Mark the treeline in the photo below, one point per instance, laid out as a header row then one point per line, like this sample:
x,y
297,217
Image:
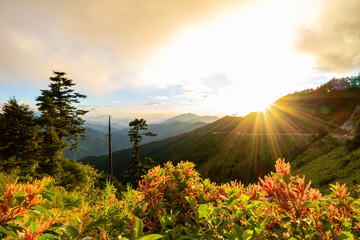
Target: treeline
x,y
32,145
334,85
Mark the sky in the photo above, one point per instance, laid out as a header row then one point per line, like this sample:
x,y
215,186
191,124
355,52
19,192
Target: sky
x,y
155,59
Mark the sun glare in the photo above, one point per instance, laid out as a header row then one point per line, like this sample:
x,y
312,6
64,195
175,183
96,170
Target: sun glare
x,y
251,46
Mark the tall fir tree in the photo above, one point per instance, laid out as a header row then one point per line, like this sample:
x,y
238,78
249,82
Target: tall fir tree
x,y
59,116
20,141
138,166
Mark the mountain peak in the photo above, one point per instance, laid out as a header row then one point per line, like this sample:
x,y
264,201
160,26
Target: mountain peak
x,y
190,117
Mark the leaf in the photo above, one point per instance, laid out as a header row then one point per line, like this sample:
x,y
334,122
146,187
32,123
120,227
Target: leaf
x,y
46,236
234,193
191,201
46,196
245,198
239,231
138,229
7,232
19,218
96,223
50,232
203,210
33,227
347,226
148,178
19,194
151,237
253,213
222,226
265,222
57,225
163,223
17,200
247,234
183,237
346,236
71,230
42,210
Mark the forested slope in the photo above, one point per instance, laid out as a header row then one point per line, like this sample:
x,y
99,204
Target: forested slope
x,y
245,148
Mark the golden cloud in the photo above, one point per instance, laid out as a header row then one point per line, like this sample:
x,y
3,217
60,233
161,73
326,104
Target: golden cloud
x,y
335,40
92,40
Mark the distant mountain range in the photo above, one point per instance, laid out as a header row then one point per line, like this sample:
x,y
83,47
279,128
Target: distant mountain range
x,y
96,141
245,148
191,118
103,127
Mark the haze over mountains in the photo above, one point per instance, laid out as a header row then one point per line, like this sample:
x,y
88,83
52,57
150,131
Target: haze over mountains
x,y
96,141
246,148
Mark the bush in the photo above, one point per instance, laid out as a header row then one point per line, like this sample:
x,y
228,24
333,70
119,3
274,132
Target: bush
x,y
173,202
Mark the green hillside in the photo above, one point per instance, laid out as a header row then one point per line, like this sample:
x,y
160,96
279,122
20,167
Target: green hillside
x,y
246,148
329,161
96,142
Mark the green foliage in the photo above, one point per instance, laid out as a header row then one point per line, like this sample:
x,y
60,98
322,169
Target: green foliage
x,y
32,147
135,134
58,111
74,176
244,148
329,161
316,150
138,167
20,142
175,203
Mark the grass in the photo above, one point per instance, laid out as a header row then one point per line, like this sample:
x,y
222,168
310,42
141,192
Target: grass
x,y
327,162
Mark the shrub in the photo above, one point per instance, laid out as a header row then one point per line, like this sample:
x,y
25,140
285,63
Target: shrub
x,y
173,202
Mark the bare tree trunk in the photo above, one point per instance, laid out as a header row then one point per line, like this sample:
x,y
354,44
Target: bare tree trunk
x,y
110,151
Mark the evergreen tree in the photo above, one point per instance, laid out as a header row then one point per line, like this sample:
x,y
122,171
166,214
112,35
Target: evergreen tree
x,y
20,141
59,116
138,167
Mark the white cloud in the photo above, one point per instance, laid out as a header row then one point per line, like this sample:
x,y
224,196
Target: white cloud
x,y
153,103
161,97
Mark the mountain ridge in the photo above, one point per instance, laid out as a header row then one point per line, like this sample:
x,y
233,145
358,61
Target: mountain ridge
x,y
96,142
222,153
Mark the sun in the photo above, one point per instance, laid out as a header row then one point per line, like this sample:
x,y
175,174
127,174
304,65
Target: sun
x,y
252,47
262,107
260,104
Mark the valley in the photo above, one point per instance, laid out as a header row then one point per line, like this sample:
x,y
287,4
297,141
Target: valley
x,y
246,148
96,141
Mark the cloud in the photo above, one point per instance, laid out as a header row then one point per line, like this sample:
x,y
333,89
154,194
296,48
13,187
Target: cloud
x,y
153,103
217,82
92,40
161,97
115,102
335,40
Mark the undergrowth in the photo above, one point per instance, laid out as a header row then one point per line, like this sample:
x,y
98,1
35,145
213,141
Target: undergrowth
x,y
173,202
